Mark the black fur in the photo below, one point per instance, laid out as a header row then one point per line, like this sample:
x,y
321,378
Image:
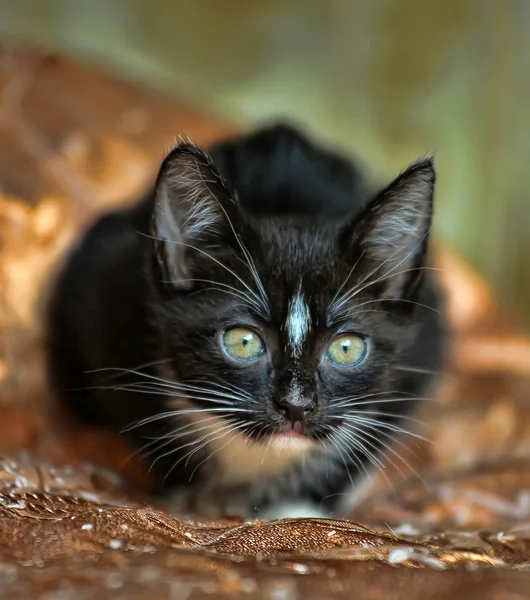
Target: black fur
x,y
137,294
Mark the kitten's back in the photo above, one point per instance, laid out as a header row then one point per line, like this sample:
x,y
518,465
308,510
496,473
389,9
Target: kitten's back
x,y
277,170
97,317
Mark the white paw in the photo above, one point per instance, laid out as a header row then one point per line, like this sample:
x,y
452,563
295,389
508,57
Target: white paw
x,y
293,510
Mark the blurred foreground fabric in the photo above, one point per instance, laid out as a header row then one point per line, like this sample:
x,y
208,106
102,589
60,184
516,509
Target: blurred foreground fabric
x,y
448,518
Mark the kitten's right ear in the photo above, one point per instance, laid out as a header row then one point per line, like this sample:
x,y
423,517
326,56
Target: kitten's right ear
x,y
191,204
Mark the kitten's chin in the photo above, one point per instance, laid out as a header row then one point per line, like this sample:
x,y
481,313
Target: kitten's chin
x,y
290,441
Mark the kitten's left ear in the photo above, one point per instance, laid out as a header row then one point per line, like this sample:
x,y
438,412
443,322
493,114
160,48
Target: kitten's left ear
x,y
191,213
396,229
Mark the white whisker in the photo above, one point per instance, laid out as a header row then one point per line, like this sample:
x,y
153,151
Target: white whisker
x,y
355,436
337,444
375,423
232,388
169,438
365,433
176,395
354,403
367,282
257,298
358,290
250,262
185,411
209,439
188,444
415,370
219,449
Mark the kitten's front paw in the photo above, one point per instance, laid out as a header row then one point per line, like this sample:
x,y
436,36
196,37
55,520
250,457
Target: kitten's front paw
x,y
293,510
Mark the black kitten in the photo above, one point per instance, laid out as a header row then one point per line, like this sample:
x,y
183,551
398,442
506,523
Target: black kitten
x,y
258,326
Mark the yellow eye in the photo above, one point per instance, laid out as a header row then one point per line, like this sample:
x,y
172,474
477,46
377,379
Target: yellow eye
x,y
242,344
347,350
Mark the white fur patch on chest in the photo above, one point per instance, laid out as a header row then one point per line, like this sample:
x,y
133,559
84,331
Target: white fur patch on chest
x,y
298,322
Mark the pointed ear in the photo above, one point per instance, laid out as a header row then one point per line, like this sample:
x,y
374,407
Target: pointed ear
x,y
396,229
190,210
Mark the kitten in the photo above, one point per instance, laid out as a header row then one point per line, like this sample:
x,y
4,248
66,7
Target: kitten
x,y
257,327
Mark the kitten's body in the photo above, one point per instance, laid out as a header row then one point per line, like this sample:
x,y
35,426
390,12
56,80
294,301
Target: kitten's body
x,y
149,309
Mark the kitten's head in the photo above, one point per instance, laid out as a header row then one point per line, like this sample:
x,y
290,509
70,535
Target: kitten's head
x,y
292,325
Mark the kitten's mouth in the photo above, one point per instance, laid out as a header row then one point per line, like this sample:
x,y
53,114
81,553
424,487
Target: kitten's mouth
x,y
291,435
290,440
293,430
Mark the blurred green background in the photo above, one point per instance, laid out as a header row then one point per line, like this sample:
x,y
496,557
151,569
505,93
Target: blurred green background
x,y
384,80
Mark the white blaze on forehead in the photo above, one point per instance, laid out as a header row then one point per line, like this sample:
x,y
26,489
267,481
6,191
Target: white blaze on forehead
x,y
298,322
